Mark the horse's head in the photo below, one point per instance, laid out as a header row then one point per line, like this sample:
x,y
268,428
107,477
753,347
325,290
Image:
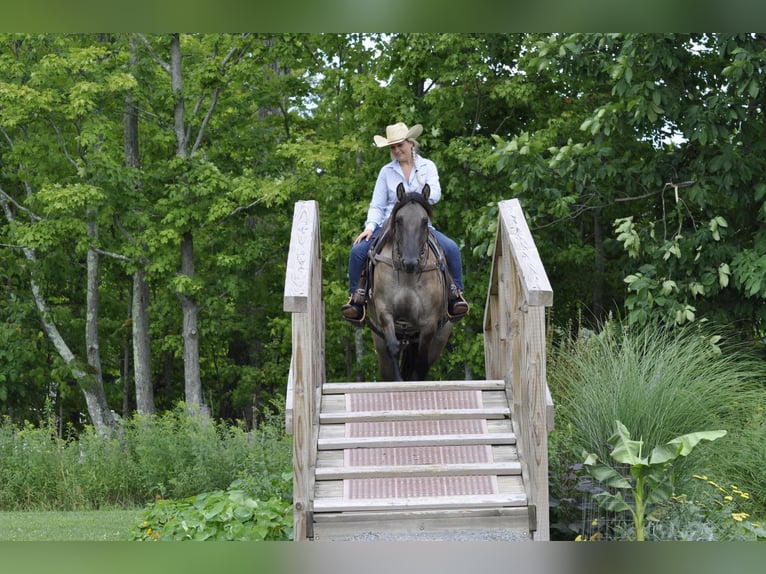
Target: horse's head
x,y
410,218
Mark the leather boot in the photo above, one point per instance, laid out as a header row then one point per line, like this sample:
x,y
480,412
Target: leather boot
x,y
354,310
457,308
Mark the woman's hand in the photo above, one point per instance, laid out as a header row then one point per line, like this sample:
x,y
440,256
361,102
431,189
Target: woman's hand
x,y
364,235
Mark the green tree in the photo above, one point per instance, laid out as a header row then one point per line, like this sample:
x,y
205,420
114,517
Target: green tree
x,y
663,146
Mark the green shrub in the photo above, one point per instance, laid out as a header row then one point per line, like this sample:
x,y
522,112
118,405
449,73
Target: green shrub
x,y
219,515
168,455
178,454
661,383
711,512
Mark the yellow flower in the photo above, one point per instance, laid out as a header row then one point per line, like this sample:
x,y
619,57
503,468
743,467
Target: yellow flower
x,y
579,538
595,522
700,476
728,498
739,516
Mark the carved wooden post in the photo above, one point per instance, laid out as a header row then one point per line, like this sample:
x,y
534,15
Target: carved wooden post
x,y
303,298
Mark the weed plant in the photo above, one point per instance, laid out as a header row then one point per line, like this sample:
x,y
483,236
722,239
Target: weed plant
x,y
660,383
169,455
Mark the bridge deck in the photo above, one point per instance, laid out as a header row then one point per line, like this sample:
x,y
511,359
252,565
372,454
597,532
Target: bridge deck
x,y
417,458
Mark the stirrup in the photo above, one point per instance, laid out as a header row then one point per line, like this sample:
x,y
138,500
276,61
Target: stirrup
x,y
354,311
457,306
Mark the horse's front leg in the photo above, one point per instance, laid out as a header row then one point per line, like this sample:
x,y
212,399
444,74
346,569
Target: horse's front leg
x,y
393,347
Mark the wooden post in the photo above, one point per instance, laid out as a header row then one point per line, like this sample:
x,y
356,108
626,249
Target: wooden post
x,y
514,342
303,298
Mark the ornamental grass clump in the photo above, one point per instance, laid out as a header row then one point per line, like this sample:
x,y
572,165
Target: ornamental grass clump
x,y
659,382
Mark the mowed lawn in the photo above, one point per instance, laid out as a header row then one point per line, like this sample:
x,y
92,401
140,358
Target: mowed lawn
x,y
92,525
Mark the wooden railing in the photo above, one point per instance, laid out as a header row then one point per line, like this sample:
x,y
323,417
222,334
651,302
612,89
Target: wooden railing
x,y
303,298
514,350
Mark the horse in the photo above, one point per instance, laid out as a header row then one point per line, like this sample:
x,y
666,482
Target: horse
x,y
407,303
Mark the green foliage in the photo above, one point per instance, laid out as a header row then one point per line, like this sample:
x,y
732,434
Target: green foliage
x,y
709,512
666,382
647,478
636,157
221,515
171,455
658,381
637,134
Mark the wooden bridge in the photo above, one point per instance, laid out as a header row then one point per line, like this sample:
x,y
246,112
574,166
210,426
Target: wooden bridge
x,y
422,459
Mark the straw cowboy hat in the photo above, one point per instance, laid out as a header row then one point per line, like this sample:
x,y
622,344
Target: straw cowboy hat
x,y
397,133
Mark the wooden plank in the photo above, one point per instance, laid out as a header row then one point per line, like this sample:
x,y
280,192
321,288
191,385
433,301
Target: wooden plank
x,y
422,525
337,431
304,237
409,415
509,484
419,503
534,280
499,453
446,514
337,403
422,440
396,386
413,470
289,399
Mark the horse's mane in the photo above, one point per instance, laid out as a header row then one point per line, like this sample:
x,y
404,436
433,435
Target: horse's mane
x,y
412,197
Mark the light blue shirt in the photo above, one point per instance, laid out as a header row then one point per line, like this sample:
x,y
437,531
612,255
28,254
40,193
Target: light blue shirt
x,y
390,176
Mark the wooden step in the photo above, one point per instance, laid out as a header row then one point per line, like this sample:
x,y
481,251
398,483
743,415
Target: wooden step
x,y
493,523
407,415
397,405
378,386
419,503
422,440
433,446
412,470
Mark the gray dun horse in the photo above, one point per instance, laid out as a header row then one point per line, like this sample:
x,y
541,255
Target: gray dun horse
x,y
407,307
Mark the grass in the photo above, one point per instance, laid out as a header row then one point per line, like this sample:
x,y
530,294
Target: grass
x,y
87,526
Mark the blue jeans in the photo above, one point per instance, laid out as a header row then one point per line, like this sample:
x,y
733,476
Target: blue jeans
x,y
358,257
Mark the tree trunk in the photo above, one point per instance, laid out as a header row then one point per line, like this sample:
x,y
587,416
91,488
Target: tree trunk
x,y
599,310
93,387
192,380
142,352
193,383
101,417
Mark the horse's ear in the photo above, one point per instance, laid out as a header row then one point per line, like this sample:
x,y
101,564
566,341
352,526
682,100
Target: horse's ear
x,y
426,191
400,191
